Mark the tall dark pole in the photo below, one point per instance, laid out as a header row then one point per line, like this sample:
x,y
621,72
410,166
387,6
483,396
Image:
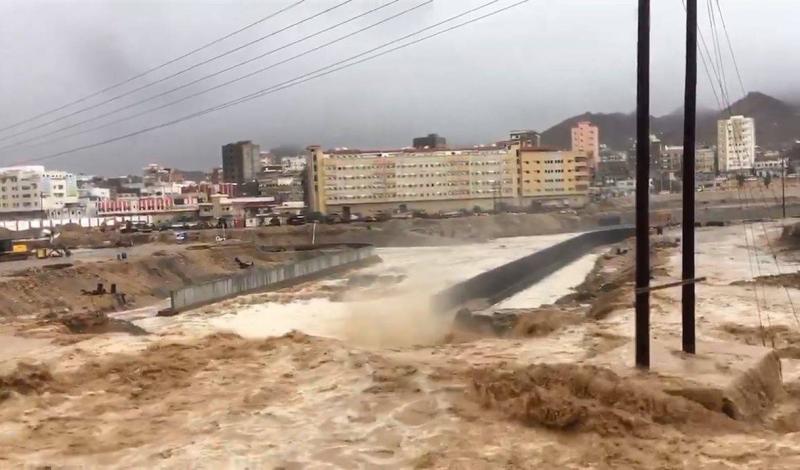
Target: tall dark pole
x,y
689,117
643,188
783,186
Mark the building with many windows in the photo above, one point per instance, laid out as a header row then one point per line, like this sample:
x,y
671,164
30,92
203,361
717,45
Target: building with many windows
x,y
440,180
586,139
548,173
736,143
241,162
32,191
526,137
418,179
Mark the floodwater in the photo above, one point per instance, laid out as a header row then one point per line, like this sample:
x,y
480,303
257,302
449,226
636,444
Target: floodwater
x,y
400,314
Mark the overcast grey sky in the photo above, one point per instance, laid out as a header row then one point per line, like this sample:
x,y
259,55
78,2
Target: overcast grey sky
x,y
529,67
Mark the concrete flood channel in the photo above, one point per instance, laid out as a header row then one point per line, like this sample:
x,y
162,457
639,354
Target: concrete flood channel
x,y
402,313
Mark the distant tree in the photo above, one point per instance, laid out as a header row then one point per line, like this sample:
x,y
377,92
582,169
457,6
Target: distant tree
x,y
767,180
740,180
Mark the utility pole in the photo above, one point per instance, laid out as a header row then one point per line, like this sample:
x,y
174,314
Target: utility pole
x,y
689,117
643,188
783,186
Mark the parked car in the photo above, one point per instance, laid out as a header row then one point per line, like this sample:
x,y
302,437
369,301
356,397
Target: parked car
x,y
370,218
334,219
296,220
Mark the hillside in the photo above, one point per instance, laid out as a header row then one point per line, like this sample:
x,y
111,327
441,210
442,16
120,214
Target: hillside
x,y
777,124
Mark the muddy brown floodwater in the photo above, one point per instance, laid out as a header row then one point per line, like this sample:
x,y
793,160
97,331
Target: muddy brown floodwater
x,y
532,397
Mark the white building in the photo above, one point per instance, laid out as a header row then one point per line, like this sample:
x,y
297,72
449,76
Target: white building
x,y
34,192
297,163
736,143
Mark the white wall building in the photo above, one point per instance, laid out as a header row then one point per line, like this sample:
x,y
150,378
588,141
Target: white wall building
x,y
33,191
736,143
297,163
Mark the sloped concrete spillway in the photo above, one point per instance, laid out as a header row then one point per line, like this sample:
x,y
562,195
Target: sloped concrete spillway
x,y
495,285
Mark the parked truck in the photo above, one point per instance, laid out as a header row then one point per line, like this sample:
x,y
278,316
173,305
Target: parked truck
x,y
11,250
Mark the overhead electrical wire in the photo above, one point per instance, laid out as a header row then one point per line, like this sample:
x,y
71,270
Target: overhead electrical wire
x,y
730,48
710,67
153,69
179,72
214,74
324,71
748,193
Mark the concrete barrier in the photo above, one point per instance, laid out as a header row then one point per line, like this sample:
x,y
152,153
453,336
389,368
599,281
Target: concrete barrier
x,y
500,283
256,279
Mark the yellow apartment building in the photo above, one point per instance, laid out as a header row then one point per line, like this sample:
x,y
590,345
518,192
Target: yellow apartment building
x,y
440,180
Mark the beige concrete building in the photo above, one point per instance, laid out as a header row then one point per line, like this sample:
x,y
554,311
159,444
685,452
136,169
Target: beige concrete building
x,y
413,179
438,180
586,139
552,173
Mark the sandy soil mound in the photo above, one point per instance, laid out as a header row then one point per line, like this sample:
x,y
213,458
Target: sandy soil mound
x,y
577,398
98,323
144,279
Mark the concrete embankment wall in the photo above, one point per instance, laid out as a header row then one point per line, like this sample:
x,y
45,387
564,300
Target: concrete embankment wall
x,y
255,279
500,283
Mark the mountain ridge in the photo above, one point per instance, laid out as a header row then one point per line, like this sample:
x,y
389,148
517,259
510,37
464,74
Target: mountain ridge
x,y
777,124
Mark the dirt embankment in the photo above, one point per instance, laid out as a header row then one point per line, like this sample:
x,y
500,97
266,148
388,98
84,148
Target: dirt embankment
x,y
396,232
143,280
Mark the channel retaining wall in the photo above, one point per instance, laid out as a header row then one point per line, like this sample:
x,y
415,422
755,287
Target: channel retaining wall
x,y
500,283
256,279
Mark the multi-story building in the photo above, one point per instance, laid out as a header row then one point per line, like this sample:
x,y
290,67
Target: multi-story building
x,y
671,158
430,141
282,185
769,163
552,173
154,173
32,191
438,180
241,162
297,163
586,139
411,179
526,138
736,143
705,160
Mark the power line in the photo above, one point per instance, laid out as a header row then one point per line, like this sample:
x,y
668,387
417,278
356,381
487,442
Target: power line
x,y
703,51
723,81
748,191
179,72
719,75
730,48
332,68
226,69
752,272
153,69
